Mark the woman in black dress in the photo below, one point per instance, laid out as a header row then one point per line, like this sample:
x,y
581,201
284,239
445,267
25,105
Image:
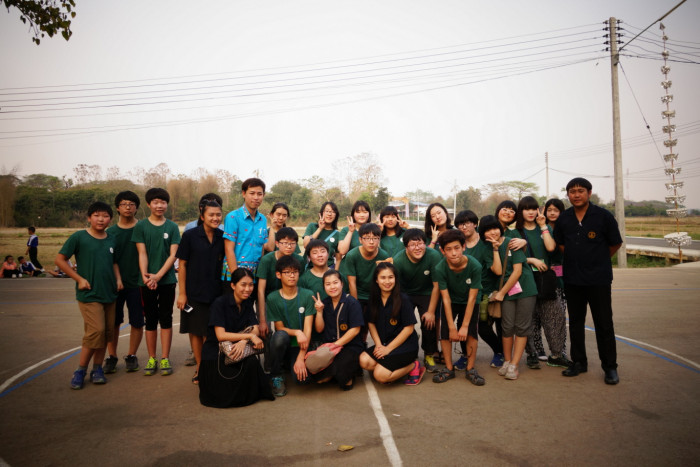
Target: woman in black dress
x,y
242,383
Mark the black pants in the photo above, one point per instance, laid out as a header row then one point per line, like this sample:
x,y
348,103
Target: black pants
x,y
33,258
599,298
428,339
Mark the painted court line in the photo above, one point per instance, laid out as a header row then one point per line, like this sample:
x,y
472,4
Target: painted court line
x,y
384,430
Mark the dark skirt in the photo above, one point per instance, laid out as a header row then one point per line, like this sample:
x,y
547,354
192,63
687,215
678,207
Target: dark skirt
x,y
237,385
342,369
393,362
196,321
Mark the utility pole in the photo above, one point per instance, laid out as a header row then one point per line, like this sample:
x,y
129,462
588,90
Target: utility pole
x,y
546,167
617,142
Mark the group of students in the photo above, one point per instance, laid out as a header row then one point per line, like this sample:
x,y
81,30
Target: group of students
x,y
24,267
239,280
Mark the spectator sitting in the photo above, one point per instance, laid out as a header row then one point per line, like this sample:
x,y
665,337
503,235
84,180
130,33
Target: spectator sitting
x,y
58,273
10,268
27,267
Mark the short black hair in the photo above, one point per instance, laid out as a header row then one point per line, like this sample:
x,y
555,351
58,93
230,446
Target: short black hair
x,y
99,206
316,243
505,204
157,193
361,204
369,228
286,232
466,216
579,181
334,224
252,182
128,196
413,234
31,229
20,258
287,262
451,235
488,223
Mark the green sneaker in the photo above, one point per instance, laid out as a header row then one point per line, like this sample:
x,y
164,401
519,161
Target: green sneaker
x,y
430,366
165,368
150,367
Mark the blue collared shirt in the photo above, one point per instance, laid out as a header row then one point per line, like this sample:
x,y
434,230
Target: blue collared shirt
x,y
249,236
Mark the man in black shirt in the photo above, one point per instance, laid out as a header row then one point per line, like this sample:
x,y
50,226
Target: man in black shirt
x,y
588,236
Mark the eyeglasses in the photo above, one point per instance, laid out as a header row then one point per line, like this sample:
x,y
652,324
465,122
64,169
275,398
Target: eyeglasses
x,y
290,273
287,244
370,239
416,245
127,205
508,210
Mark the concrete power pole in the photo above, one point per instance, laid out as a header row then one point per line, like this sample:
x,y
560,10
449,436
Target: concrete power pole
x,y
546,166
617,143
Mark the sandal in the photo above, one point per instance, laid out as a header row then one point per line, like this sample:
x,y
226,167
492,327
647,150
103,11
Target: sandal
x,y
414,380
443,375
195,379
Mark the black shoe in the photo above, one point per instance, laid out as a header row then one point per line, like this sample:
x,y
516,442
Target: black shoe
x,y
611,377
575,369
533,362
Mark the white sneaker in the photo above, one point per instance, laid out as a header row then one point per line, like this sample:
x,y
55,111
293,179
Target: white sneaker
x,y
502,371
512,372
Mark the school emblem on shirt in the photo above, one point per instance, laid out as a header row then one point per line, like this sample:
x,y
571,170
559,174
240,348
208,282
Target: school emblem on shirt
x,y
165,235
343,327
301,309
426,272
332,240
393,322
469,281
591,235
111,250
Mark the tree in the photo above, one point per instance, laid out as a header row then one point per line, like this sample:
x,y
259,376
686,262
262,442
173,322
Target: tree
x,y
49,182
513,189
361,173
469,199
45,16
8,188
87,173
380,199
157,176
420,196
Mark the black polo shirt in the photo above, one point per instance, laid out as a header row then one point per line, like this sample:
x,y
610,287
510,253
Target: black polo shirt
x,y
350,317
388,328
204,262
226,314
587,245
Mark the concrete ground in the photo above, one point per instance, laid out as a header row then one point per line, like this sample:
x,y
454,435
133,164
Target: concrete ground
x,y
650,418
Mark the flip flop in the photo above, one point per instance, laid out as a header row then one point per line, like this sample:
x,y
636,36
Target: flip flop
x,y
415,380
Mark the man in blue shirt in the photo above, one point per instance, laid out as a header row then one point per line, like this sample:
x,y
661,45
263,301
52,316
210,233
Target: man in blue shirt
x,y
588,237
245,234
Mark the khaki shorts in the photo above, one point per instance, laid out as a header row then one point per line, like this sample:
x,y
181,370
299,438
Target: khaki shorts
x,y
98,319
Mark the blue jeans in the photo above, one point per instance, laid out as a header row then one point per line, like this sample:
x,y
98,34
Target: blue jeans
x,y
282,354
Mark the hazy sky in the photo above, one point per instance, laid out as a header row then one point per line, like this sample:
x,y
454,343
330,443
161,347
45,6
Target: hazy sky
x,y
441,92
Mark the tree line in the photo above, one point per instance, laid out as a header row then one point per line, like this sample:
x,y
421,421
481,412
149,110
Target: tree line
x,y
50,201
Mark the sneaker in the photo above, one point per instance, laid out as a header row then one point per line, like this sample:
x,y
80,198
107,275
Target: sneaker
x,y
97,376
78,379
541,356
110,365
132,363
512,372
504,368
279,389
475,378
558,361
430,365
533,362
190,360
151,367
416,375
461,364
165,368
497,360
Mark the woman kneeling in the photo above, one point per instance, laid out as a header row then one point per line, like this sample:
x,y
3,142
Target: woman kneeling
x,y
391,322
241,383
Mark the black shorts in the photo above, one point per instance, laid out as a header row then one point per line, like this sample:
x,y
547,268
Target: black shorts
x,y
458,311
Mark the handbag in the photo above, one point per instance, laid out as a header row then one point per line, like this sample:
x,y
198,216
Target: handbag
x,y
226,347
494,307
547,284
321,358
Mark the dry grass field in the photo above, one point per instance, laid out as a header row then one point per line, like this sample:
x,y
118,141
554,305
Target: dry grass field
x,y
660,226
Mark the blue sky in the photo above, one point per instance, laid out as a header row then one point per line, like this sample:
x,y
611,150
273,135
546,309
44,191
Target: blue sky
x,y
443,93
